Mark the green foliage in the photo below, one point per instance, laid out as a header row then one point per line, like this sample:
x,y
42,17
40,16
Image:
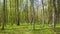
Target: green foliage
x,y
25,28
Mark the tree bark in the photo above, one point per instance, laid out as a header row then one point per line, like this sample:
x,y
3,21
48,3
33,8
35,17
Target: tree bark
x,y
53,15
18,23
32,14
42,13
4,16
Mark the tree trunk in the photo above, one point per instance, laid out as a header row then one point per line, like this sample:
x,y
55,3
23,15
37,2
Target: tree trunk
x,y
4,15
42,13
18,23
32,14
53,15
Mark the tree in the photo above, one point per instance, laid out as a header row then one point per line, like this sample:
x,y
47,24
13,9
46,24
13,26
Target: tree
x,y
42,12
17,3
4,15
26,11
54,14
58,11
32,14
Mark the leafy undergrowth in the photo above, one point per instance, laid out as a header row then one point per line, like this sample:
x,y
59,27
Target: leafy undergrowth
x,y
27,29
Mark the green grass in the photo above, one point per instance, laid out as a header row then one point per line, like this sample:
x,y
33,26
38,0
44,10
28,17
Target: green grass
x,y
25,28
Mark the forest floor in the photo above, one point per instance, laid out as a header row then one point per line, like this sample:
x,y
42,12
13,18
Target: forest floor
x,y
25,28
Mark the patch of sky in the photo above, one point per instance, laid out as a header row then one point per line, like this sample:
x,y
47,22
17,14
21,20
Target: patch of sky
x,y
1,0
37,2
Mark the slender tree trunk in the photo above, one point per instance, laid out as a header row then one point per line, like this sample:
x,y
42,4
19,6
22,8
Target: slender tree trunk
x,y
26,11
42,13
32,14
18,23
53,15
4,16
48,12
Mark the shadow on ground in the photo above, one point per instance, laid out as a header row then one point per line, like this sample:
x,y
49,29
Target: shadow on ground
x,y
57,30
